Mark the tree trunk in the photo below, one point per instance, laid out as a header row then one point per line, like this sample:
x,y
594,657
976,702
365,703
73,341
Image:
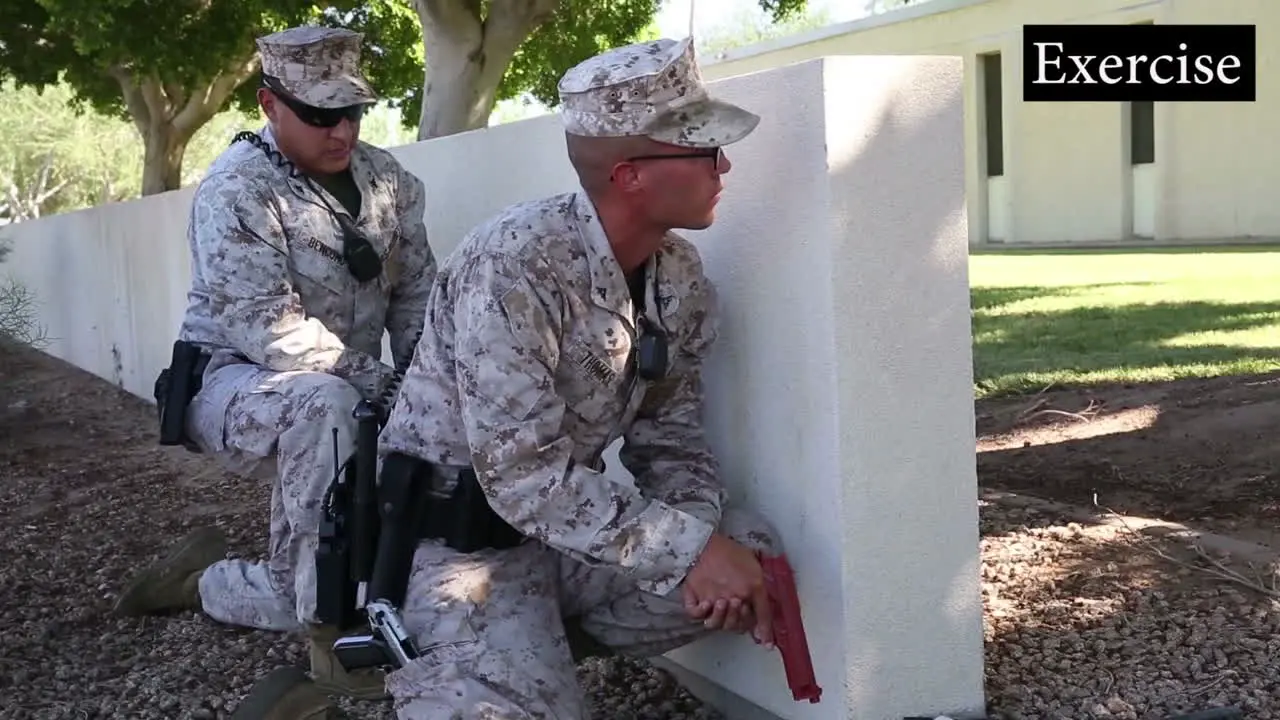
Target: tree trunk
x,y
162,164
467,57
457,94
166,116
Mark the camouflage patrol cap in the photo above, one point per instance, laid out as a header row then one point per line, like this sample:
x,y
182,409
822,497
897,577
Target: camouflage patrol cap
x,y
320,66
653,89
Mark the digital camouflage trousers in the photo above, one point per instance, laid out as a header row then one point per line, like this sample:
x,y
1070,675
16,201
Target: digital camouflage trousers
x,y
489,627
278,426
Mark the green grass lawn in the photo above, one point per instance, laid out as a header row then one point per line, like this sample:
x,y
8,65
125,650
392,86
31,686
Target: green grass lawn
x,y
1072,317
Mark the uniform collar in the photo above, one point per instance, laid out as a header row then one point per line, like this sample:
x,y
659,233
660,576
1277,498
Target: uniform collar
x,y
361,172
609,288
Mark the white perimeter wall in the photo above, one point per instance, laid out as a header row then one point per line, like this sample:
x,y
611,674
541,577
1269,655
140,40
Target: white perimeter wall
x,y
840,396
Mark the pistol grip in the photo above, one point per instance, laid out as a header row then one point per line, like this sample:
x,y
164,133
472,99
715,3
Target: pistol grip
x,y
788,628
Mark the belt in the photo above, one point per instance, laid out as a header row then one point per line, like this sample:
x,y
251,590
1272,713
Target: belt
x,y
197,371
465,520
459,515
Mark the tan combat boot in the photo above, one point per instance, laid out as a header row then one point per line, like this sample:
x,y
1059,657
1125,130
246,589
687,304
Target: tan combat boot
x,y
171,582
286,693
330,676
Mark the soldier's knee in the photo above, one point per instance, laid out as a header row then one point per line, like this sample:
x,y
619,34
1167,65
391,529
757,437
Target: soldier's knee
x,y
750,529
313,406
325,400
335,396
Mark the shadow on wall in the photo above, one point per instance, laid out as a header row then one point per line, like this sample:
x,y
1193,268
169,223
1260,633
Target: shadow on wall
x,y
905,186
19,305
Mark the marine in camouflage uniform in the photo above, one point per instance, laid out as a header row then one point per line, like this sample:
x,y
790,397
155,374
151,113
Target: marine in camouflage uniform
x,y
295,341
527,372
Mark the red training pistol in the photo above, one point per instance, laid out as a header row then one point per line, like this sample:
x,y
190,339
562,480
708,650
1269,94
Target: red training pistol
x,y
788,627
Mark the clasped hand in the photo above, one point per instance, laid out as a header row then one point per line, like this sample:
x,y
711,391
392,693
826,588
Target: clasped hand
x,y
725,589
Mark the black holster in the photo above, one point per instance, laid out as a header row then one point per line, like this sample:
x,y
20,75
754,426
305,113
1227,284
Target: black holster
x,y
175,386
408,510
463,519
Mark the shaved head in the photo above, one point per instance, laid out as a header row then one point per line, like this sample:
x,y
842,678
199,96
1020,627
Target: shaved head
x,y
593,158
643,188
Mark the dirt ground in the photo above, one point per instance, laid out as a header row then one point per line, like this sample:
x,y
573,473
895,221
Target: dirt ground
x,y
1195,451
86,495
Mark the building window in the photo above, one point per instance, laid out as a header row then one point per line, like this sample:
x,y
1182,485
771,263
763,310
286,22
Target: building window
x,y
1142,132
992,112
1142,127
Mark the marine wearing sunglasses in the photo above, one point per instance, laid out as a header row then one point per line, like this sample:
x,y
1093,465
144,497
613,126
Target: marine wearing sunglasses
x,y
319,144
314,116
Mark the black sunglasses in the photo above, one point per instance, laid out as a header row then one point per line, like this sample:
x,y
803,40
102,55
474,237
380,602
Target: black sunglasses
x,y
312,115
717,155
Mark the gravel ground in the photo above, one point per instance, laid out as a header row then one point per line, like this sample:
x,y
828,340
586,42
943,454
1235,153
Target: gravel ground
x,y
1086,621
87,497
1080,622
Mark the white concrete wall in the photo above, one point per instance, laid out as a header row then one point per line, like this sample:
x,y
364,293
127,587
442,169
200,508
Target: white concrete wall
x,y
111,284
1067,176
839,398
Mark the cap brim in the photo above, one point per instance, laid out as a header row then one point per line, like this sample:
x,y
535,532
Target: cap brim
x,y
336,93
711,123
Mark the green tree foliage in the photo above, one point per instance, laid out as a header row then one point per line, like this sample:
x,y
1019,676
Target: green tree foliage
x,y
54,159
169,66
58,159
479,52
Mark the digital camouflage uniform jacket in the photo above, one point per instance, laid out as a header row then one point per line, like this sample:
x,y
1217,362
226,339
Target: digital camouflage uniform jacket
x,y
525,372
269,284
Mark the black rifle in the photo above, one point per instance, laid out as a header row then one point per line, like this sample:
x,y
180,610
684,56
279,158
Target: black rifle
x,y
363,542
370,529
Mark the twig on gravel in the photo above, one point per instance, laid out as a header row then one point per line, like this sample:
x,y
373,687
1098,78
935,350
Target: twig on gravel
x,y
1192,692
1257,576
1036,404
1215,569
1227,573
1036,409
1038,401
1050,411
1209,685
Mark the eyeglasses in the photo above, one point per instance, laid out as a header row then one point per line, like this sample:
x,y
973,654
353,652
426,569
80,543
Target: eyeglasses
x,y
716,155
312,115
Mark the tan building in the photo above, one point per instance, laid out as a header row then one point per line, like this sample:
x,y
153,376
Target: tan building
x,y
1081,172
